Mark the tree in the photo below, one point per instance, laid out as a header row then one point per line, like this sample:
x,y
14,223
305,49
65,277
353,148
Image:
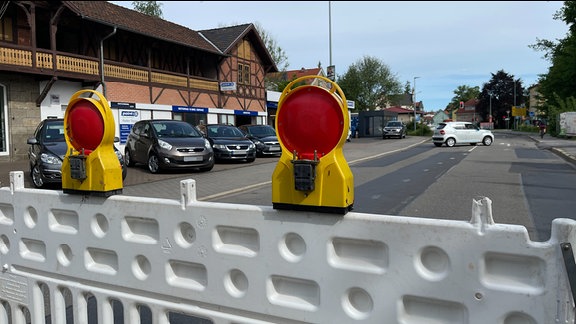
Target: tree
x,y
558,86
274,81
498,96
462,93
276,52
151,8
370,83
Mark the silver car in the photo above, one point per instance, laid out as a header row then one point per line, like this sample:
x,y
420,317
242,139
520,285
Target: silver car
x,y
168,144
452,133
394,128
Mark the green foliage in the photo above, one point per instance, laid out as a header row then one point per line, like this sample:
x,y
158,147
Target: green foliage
x,y
559,84
499,96
421,129
463,93
276,52
151,8
528,128
370,83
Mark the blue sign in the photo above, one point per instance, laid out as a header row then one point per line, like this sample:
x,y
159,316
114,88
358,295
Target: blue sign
x,y
129,113
123,105
245,113
124,132
272,104
189,109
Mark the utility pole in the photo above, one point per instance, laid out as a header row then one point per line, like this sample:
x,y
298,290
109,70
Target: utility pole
x,y
330,29
414,100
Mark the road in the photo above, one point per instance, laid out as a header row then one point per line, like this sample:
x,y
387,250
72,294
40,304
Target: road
x,y
528,186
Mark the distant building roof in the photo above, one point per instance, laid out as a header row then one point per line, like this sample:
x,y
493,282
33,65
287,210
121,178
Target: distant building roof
x,y
295,74
107,13
218,41
399,110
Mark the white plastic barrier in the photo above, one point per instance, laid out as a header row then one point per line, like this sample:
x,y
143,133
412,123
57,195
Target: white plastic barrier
x,y
125,259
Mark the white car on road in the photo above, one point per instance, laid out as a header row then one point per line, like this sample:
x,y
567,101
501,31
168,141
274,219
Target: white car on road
x,y
452,133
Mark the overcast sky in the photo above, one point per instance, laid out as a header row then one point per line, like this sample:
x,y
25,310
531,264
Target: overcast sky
x,y
444,43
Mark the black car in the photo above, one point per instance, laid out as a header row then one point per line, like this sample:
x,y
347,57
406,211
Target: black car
x,y
264,137
47,150
168,144
229,143
394,128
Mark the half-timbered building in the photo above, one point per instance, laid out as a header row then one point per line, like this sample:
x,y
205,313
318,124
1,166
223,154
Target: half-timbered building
x,y
146,67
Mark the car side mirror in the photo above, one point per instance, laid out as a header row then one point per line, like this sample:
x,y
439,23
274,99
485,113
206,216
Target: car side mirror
x,y
116,139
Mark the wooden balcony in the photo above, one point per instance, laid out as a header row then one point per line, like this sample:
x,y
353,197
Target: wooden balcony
x,y
44,64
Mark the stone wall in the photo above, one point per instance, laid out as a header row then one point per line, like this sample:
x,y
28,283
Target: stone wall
x,y
23,114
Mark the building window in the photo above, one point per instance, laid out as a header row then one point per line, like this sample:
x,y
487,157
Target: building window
x,y
243,73
7,30
240,74
226,119
246,74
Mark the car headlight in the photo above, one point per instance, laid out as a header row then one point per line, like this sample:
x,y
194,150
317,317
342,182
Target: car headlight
x,y
252,145
259,144
164,145
50,159
207,144
220,146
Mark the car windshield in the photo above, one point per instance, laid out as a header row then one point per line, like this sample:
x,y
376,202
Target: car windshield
x,y
224,131
170,129
54,132
394,124
262,131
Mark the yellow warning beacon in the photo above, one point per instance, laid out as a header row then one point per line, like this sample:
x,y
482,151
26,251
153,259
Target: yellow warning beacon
x,y
312,174
90,165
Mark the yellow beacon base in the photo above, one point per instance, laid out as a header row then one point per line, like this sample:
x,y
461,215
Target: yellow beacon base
x,y
312,174
90,165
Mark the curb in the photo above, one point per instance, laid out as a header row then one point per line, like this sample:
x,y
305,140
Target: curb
x,y
565,155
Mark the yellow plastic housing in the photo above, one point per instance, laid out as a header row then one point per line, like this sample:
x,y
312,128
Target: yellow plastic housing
x,y
304,126
90,165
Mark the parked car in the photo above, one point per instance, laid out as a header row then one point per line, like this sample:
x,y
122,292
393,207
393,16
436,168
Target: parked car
x,y
168,144
394,128
229,143
264,137
452,133
47,150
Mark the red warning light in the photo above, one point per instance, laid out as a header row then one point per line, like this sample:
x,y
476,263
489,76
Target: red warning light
x,y
310,120
85,126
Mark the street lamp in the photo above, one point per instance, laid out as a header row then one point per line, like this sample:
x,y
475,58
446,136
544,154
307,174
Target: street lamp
x,y
414,100
490,117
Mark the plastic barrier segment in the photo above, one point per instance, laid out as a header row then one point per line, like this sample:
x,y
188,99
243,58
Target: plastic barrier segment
x,y
185,261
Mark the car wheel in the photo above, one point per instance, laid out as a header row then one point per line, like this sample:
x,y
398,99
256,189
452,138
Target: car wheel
x,y
153,163
487,140
450,142
250,160
128,159
438,144
37,177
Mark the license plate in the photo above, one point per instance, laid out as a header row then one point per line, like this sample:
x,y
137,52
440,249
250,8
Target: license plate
x,y
192,158
274,149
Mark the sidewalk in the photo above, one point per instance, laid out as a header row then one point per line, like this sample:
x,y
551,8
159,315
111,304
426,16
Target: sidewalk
x,y
563,147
